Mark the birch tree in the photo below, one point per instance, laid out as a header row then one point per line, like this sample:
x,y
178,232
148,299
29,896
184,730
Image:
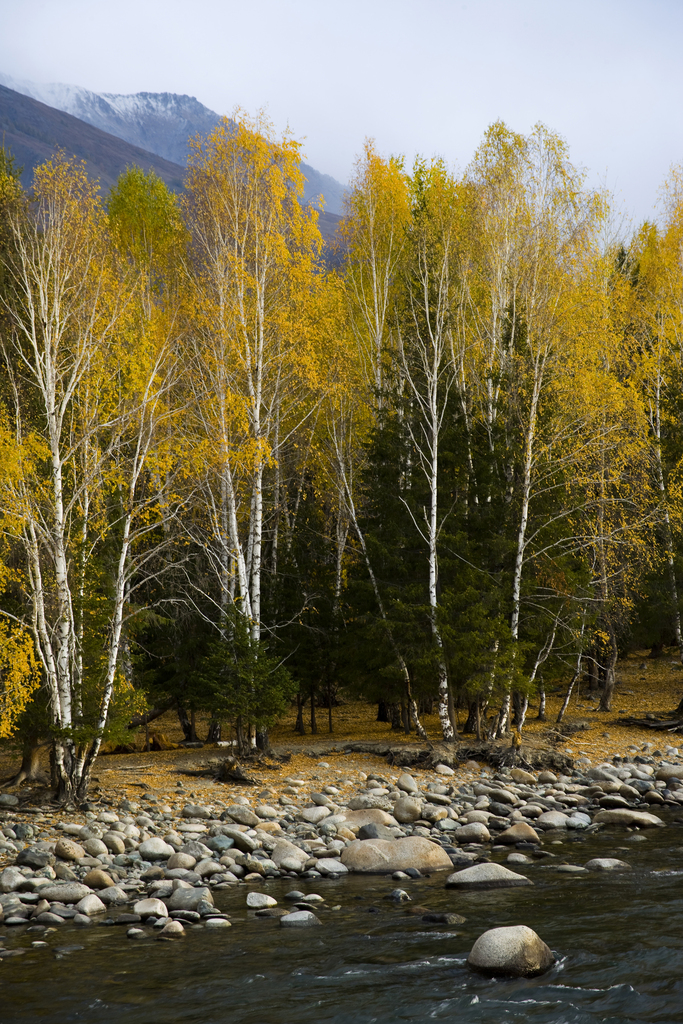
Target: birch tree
x,y
86,403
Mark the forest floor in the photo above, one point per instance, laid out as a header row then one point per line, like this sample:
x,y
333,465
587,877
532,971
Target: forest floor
x,y
644,686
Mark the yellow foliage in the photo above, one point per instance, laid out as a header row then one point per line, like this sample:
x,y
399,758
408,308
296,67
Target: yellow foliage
x,y
19,675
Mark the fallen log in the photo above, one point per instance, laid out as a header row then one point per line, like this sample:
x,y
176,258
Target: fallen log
x,y
658,724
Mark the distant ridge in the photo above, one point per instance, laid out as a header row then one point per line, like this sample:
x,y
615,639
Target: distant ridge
x,y
157,122
33,131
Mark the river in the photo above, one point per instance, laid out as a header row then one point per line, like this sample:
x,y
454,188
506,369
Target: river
x,y
618,939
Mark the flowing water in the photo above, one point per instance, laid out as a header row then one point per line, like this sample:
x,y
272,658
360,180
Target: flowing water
x,y
618,939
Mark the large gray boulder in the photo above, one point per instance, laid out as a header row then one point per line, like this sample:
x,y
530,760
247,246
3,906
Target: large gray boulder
x,y
669,771
485,876
381,856
516,951
622,816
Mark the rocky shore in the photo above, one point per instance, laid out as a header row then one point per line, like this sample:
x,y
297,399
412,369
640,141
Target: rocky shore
x,y
155,865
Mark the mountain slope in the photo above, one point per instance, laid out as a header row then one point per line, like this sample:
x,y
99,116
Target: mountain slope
x,y
33,131
159,122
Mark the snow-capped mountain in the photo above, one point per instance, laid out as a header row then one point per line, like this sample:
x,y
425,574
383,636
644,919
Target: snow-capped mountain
x,y
160,122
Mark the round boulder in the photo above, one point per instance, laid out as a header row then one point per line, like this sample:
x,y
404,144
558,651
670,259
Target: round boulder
x,y
383,856
98,879
552,819
407,783
90,904
407,809
259,900
150,908
475,832
517,951
518,833
68,850
155,849
95,847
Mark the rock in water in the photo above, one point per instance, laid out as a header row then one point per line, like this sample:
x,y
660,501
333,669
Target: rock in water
x,y
485,876
380,856
187,899
607,864
150,908
299,919
259,900
621,816
516,951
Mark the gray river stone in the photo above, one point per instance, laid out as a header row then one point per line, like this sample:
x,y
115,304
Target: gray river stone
x,y
69,892
90,904
607,864
155,849
188,899
552,819
300,919
150,908
113,895
516,951
242,815
286,851
197,811
260,900
407,783
474,832
485,876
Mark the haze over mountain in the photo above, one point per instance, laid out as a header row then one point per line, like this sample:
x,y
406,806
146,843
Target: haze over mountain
x,y
158,122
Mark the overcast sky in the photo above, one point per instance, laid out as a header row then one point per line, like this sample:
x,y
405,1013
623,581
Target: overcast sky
x,y
423,76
